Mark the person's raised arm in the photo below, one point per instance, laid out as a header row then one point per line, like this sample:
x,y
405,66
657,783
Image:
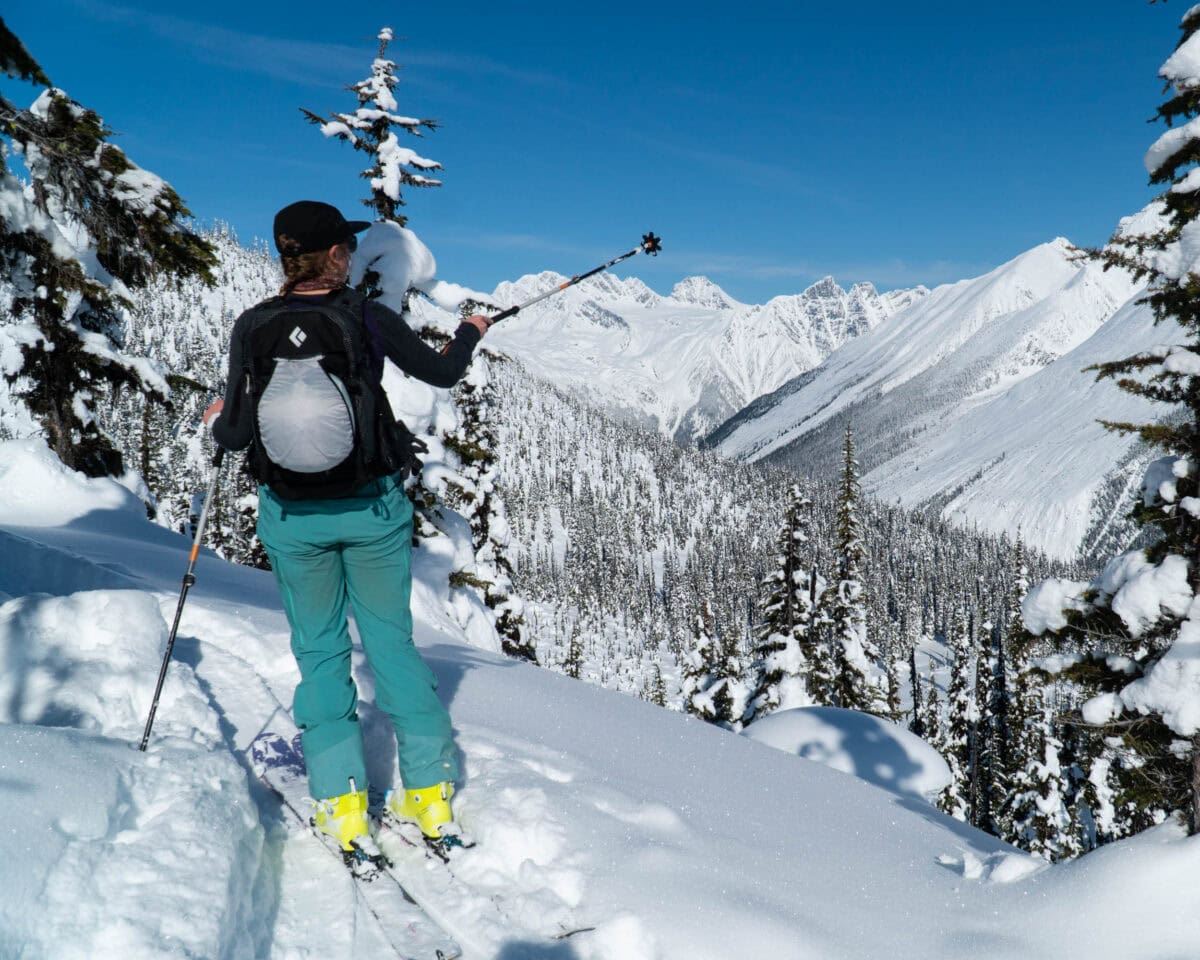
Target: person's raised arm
x,y
415,357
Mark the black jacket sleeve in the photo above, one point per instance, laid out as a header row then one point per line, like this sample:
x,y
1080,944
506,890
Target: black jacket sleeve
x,y
233,429
415,357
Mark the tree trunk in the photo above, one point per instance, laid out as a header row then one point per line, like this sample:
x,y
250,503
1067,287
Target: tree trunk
x,y
1195,824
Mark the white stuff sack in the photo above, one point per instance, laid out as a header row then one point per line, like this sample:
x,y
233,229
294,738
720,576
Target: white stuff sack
x,y
305,420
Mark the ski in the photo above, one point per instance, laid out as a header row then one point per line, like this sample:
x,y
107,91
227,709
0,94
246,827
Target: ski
x,y
426,869
412,933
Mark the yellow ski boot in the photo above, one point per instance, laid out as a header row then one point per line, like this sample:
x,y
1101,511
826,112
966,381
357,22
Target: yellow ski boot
x,y
344,818
427,807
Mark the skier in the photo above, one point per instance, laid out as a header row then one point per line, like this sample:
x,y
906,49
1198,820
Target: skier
x,y
333,514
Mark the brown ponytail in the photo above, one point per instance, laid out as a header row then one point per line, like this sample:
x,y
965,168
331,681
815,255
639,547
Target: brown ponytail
x,y
302,266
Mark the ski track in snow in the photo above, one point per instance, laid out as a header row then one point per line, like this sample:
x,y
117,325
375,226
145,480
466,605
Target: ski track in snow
x,y
671,838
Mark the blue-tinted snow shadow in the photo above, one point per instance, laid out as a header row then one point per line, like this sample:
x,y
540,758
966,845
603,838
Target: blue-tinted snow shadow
x,y
872,750
118,550
268,881
190,651
537,951
972,836
878,758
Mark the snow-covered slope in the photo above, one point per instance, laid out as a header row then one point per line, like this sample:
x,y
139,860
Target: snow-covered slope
x,y
923,388
674,839
1035,457
686,362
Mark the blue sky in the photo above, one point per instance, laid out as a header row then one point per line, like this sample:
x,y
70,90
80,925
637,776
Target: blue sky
x,y
770,144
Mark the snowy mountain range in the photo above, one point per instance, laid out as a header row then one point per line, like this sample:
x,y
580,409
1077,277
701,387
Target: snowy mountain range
x,y
686,362
971,397
975,398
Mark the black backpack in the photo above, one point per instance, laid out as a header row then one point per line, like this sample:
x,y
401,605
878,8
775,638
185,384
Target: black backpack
x,y
323,427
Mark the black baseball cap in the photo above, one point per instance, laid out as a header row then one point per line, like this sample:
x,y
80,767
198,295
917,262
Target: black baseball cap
x,y
310,225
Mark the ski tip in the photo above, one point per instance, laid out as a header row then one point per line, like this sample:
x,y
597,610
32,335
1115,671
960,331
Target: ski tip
x,y
567,934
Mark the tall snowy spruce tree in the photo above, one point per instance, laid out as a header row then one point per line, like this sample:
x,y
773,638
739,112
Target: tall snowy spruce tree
x,y
916,723
956,745
88,228
711,675
855,681
474,494
1138,623
1036,816
782,653
990,731
372,129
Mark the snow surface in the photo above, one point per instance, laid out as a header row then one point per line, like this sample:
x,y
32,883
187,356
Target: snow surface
x,y
675,839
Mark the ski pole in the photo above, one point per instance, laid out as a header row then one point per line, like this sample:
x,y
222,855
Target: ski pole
x,y
650,244
189,580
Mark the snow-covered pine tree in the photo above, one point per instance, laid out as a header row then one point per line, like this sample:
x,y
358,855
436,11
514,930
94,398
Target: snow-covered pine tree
x,y
473,493
372,129
91,228
1036,817
1138,623
916,723
732,676
1034,814
986,789
891,665
1000,710
1111,811
572,665
935,729
655,688
16,62
1015,649
956,745
706,678
781,664
856,659
821,646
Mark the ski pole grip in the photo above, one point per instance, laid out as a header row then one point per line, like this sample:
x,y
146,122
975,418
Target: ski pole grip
x,y
504,315
218,457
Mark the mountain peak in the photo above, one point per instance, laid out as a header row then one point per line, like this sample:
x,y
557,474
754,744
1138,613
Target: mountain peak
x,y
702,292
822,289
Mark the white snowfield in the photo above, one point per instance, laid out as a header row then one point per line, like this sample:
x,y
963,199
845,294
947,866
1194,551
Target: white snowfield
x,y
1033,458
681,364
988,377
672,838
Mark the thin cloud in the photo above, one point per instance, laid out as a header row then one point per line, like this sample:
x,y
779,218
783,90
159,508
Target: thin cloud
x,y
764,173
311,63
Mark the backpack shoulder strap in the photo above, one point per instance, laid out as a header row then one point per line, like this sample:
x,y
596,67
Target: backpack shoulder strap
x,y
357,303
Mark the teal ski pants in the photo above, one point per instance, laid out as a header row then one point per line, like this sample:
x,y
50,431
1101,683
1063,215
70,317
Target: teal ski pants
x,y
355,551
